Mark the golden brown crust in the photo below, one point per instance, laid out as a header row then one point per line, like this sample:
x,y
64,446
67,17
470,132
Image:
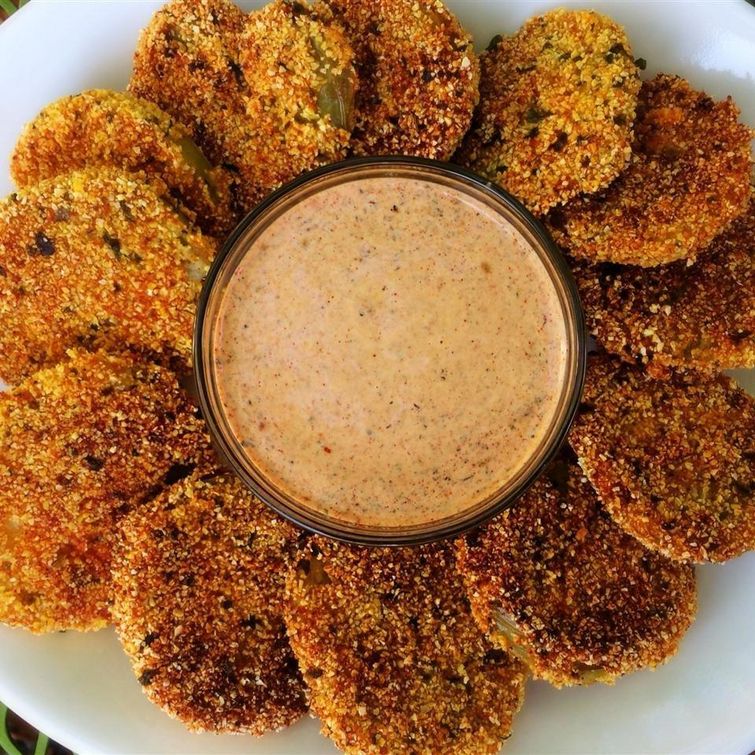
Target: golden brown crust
x,y
391,654
199,579
81,444
95,258
103,129
557,102
679,315
672,459
557,582
224,76
689,177
298,64
186,62
418,76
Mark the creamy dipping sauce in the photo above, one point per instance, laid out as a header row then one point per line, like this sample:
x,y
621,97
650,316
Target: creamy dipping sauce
x,y
390,351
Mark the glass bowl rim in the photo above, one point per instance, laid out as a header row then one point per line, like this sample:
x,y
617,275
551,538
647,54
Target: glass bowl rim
x,y
372,536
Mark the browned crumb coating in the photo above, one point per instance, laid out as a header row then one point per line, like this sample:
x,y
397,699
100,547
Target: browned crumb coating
x,y
258,93
673,459
81,444
557,102
555,581
418,76
298,65
391,654
199,580
100,128
688,178
95,258
186,62
700,315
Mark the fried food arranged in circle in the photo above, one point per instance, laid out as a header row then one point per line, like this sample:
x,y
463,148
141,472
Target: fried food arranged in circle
x,y
557,103
103,129
267,97
199,585
672,459
391,654
700,315
556,582
689,177
418,76
298,65
81,444
95,258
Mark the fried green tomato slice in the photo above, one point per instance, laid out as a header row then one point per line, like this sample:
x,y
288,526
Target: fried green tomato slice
x,y
267,97
100,128
691,316
688,178
81,445
556,582
672,459
557,103
390,652
187,63
418,76
95,258
298,64
199,581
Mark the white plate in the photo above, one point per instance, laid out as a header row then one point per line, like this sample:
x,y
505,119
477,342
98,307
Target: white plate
x,y
79,688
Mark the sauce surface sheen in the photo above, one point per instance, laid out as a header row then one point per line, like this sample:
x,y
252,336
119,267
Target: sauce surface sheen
x,y
390,351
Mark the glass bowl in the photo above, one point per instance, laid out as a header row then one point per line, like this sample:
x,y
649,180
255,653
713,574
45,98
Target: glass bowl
x,y
274,207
